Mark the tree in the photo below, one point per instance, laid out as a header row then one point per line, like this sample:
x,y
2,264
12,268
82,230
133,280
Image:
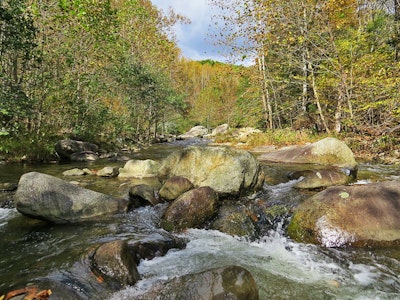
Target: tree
x,y
17,59
306,57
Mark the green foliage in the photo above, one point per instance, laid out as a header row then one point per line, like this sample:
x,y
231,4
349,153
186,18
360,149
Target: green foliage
x,y
17,53
281,137
86,81
109,70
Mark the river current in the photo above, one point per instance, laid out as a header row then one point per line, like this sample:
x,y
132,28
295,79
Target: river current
x,y
282,268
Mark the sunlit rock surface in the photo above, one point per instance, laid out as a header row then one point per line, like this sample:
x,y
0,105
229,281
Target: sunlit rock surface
x,y
328,151
195,132
341,166
136,168
52,199
228,171
356,215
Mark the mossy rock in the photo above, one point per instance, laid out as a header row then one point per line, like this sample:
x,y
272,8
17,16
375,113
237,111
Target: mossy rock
x,y
357,216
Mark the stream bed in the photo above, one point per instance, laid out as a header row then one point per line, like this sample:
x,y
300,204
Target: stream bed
x,y
282,268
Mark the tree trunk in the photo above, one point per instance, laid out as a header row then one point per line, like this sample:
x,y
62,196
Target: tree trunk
x,y
397,28
316,97
265,97
338,114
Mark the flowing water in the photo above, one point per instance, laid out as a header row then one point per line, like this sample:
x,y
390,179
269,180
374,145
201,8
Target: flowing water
x,y
283,269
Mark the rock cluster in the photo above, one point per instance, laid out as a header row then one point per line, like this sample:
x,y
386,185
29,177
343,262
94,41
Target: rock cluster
x,y
200,187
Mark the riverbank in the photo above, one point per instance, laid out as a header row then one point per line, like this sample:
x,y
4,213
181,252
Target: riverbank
x,y
383,149
380,149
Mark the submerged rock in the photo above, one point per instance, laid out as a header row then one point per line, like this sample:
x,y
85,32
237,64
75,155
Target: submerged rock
x,y
232,282
228,171
8,186
154,245
314,179
191,210
116,263
235,220
75,172
49,198
356,215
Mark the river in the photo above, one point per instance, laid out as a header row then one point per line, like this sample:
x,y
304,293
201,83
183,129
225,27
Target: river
x,y
283,269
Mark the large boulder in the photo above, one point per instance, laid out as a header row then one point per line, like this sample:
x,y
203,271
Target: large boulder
x,y
139,169
72,149
115,262
226,170
356,215
46,197
191,210
231,282
195,132
328,151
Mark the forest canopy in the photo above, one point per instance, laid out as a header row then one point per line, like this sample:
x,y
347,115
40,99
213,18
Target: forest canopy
x,y
111,72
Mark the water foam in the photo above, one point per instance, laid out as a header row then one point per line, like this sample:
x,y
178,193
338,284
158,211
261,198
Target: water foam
x,y
6,214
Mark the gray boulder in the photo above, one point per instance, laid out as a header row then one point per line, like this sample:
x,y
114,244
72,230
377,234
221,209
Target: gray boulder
x,y
190,210
226,170
67,148
116,263
356,215
52,199
195,132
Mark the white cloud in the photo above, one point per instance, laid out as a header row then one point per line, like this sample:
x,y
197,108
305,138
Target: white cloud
x,y
193,39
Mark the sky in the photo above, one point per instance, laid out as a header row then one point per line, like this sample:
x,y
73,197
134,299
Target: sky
x,y
193,39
